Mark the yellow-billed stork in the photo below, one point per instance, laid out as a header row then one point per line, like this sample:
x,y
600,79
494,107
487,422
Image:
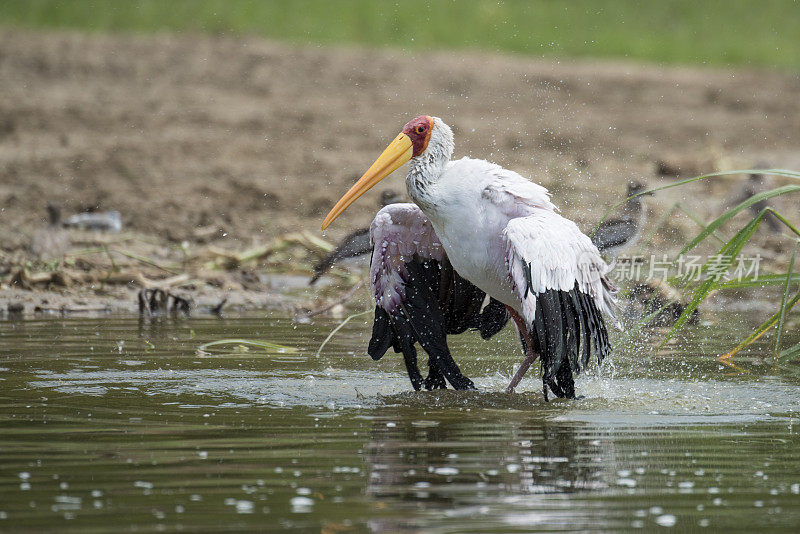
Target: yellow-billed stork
x,y
503,238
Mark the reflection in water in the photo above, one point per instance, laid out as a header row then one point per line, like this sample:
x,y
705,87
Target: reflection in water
x,y
107,418
435,466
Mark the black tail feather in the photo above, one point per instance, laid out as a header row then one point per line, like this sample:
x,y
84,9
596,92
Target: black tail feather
x,y
566,329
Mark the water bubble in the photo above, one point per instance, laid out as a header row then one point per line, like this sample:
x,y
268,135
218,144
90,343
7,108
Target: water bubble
x,y
244,507
666,520
446,471
301,505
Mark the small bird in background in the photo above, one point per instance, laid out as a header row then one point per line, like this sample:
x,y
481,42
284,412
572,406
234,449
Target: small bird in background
x,y
354,244
614,235
52,241
757,183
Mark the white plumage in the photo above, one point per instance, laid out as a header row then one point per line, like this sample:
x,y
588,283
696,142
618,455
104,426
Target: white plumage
x,y
559,256
491,222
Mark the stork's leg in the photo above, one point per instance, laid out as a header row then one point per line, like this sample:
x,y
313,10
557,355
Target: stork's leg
x,y
410,358
527,347
435,378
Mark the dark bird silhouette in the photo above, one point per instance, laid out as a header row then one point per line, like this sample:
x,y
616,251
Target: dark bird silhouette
x,y
354,244
754,185
52,241
613,235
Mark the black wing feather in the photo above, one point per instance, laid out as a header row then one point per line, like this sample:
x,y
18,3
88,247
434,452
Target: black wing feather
x,y
438,302
383,334
353,245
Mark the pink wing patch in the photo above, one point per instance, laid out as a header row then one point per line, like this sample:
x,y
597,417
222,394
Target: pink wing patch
x,y
398,233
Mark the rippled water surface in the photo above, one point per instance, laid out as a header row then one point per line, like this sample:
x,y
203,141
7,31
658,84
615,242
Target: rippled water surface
x,y
110,423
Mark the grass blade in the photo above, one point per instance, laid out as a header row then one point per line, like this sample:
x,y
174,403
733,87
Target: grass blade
x,y
774,172
730,250
657,226
791,352
248,342
700,222
758,332
762,280
719,221
640,325
333,332
787,223
776,350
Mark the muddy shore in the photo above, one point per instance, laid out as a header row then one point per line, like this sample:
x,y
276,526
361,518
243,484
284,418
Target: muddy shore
x,y
223,154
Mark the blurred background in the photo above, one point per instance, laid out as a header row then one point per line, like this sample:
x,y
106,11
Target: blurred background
x,y
179,156
221,132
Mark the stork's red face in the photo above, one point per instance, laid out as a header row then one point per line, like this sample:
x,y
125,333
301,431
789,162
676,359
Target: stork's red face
x,y
419,131
409,143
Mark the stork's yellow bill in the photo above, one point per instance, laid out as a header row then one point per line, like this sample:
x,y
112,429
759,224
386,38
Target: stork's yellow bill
x,y
412,141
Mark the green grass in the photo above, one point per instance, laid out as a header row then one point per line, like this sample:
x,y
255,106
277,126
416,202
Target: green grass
x,y
726,258
719,32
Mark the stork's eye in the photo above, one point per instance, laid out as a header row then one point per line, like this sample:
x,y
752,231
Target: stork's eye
x,y
420,129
